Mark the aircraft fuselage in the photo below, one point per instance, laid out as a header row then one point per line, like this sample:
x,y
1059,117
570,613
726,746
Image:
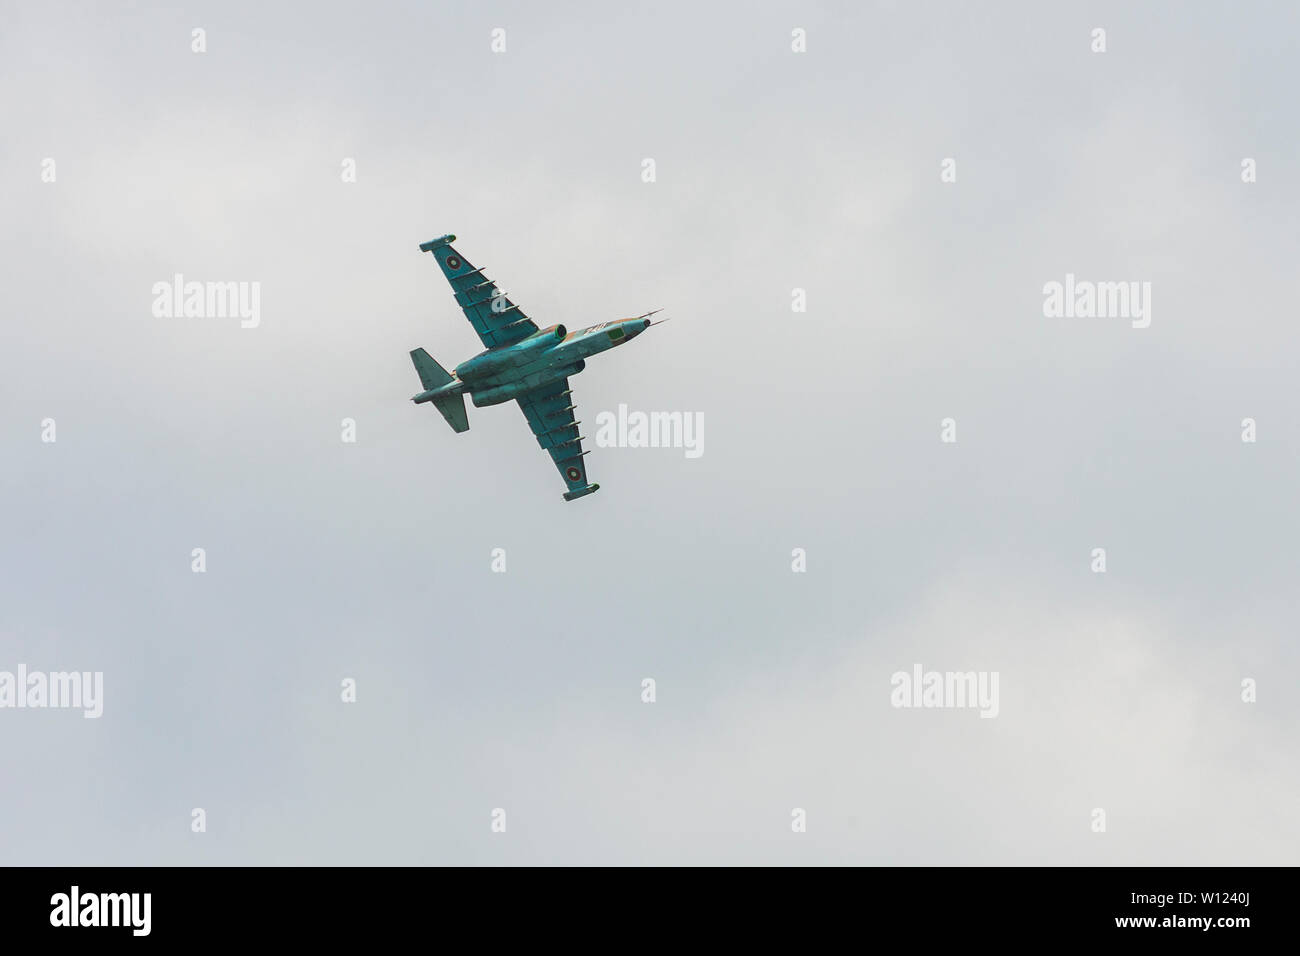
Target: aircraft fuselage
x,y
504,373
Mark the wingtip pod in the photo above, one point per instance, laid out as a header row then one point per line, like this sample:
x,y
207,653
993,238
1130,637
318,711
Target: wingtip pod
x,y
570,495
435,243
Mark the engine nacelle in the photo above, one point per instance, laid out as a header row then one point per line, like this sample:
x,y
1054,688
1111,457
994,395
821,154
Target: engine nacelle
x,y
504,393
489,363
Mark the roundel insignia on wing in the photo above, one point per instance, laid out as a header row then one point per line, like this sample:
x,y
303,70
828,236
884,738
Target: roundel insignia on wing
x,y
453,262
573,474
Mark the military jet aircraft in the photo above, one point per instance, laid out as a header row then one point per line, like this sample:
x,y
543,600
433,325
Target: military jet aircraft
x,y
522,363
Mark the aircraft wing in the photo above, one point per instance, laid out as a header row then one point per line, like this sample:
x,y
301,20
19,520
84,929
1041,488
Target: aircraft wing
x,y
496,319
549,411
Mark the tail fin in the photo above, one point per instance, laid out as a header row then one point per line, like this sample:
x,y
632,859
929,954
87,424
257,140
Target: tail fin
x,y
432,375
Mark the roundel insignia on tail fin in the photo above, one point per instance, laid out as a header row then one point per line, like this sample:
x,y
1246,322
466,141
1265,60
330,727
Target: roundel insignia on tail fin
x,y
573,474
453,262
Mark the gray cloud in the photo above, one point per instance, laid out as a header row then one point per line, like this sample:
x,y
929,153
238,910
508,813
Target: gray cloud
x,y
775,171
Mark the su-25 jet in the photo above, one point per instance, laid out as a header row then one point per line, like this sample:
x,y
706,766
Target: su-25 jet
x,y
522,363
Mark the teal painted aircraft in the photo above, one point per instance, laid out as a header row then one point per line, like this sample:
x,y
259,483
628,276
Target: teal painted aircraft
x,y
521,363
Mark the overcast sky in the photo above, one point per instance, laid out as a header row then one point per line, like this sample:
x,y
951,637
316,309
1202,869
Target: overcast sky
x,y
775,170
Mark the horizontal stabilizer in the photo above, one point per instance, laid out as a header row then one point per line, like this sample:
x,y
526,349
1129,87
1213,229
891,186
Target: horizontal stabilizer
x,y
432,375
453,409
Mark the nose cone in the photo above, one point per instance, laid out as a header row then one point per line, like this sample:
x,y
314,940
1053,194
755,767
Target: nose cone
x,y
633,327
